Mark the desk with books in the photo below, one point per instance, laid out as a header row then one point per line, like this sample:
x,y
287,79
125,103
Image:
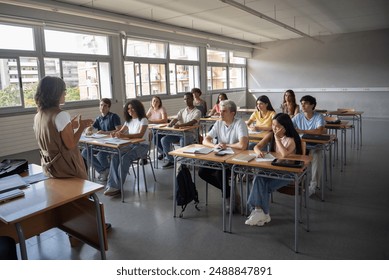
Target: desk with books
x,y
342,126
182,132
109,145
70,204
266,169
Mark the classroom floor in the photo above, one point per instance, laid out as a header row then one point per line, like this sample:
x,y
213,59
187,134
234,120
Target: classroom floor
x,y
352,222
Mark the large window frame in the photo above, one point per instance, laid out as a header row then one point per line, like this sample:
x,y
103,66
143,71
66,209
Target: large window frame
x,y
181,69
21,71
224,71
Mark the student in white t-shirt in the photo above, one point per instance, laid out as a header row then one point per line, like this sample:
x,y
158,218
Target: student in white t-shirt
x,y
230,132
135,126
188,116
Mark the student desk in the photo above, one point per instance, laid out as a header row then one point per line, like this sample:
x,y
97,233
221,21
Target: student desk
x,y
244,112
62,203
257,136
182,131
99,144
323,145
207,122
199,160
355,116
342,126
266,169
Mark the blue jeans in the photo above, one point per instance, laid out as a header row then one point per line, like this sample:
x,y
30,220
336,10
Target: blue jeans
x,y
134,152
260,192
100,160
167,141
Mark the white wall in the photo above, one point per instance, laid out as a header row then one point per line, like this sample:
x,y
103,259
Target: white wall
x,y
348,71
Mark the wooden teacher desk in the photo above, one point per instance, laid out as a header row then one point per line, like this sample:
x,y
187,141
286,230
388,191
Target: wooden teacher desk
x,y
200,160
266,169
61,203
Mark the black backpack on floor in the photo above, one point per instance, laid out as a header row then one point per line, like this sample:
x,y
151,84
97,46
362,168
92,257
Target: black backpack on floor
x,y
186,189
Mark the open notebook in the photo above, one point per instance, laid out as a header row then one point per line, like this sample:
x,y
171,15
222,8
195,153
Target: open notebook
x,y
244,158
203,150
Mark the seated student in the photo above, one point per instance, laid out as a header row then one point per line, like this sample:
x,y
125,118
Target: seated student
x,y
285,140
135,126
216,108
106,123
262,117
230,132
198,102
156,115
289,105
311,122
188,116
7,248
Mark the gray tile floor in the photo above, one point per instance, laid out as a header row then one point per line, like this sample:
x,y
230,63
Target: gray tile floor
x,y
352,223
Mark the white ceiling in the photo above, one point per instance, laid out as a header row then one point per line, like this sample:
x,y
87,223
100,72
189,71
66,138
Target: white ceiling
x,y
312,17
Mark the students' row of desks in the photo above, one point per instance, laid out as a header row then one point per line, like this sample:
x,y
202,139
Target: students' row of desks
x,y
258,168
70,204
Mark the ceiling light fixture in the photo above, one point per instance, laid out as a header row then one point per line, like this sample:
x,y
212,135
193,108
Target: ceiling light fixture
x,y
267,18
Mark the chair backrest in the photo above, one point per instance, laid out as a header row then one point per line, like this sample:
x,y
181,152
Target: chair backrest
x,y
303,148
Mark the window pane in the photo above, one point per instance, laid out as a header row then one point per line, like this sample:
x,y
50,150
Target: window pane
x,y
158,78
16,38
81,78
129,79
30,78
216,56
172,78
145,49
216,78
52,67
144,75
184,52
187,77
237,60
9,83
105,80
237,77
75,43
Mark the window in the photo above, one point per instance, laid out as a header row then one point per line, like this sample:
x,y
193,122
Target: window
x,y
137,48
237,77
225,74
181,52
16,38
217,78
75,43
25,61
144,79
147,64
183,77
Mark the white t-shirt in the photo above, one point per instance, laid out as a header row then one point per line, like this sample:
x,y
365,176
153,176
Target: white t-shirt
x,y
62,120
135,126
186,115
229,134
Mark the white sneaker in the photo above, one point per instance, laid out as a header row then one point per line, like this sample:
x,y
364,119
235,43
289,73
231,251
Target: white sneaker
x,y
103,176
257,218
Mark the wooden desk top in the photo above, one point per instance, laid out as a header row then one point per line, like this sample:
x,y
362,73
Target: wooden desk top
x,y
102,142
345,113
209,157
314,141
268,165
45,195
210,119
246,110
184,128
342,124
